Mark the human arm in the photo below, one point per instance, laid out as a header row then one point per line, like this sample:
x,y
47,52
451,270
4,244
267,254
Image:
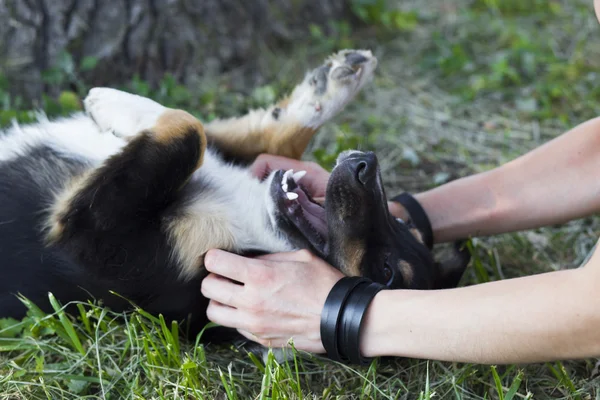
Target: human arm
x,y
539,318
552,184
545,317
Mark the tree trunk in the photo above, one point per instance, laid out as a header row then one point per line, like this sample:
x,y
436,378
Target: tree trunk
x,y
146,37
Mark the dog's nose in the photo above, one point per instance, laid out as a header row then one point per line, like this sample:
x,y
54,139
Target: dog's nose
x,y
364,166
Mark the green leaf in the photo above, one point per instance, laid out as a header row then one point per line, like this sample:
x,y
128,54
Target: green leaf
x,y
10,328
66,324
88,63
69,101
512,391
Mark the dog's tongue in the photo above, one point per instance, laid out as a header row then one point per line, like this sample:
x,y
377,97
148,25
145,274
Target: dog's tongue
x,y
314,213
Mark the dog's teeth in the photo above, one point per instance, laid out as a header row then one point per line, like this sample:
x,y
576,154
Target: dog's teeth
x,y
284,187
298,175
287,176
291,195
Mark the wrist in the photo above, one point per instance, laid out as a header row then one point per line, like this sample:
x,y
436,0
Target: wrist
x,y
417,217
397,210
377,328
343,318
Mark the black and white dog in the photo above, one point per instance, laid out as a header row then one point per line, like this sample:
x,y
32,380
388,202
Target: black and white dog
x,y
129,196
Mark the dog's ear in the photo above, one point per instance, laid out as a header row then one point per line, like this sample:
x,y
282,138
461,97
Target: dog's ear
x,y
452,267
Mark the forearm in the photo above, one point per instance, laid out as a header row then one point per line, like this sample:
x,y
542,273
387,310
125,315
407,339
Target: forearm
x,y
552,184
534,319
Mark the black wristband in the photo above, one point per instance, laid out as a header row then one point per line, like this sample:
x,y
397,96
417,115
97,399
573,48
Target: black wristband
x,y
332,311
352,319
418,216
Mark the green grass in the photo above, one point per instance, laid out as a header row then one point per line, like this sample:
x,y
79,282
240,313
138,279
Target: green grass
x,y
462,86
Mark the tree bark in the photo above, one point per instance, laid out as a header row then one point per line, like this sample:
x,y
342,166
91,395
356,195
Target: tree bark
x,y
147,37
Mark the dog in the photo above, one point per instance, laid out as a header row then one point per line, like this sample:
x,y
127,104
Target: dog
x,y
128,196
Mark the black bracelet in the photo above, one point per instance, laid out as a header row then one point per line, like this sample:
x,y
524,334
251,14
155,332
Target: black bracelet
x,y
352,319
342,318
332,311
418,216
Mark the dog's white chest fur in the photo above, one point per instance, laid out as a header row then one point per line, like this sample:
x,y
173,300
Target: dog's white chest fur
x,y
244,199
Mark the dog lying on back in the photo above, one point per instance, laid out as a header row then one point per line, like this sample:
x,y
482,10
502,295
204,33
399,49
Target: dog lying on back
x,y
129,196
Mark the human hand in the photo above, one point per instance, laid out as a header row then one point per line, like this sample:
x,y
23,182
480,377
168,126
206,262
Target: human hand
x,y
280,297
315,179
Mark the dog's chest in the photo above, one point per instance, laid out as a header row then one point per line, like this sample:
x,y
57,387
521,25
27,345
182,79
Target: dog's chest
x,y
244,200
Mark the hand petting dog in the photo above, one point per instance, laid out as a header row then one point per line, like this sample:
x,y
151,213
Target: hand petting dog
x,y
271,299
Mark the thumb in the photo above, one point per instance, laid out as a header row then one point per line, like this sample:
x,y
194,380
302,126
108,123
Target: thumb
x,y
265,163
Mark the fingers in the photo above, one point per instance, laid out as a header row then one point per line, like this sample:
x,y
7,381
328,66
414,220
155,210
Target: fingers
x,y
292,256
313,346
398,210
269,162
222,290
320,200
228,265
224,315
263,341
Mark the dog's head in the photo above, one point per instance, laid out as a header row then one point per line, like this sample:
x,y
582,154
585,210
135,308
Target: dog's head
x,y
354,230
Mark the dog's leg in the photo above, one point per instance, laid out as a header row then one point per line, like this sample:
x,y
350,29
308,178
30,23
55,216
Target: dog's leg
x,y
287,127
131,188
120,113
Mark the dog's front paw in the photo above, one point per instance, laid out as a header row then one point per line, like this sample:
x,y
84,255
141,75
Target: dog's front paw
x,y
327,89
121,113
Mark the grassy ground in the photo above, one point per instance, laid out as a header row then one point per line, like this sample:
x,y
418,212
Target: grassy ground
x,y
462,86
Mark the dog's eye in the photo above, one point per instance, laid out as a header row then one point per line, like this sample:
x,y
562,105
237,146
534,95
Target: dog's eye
x,y
276,112
388,274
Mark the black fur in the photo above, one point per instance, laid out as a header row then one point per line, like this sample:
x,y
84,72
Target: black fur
x,y
116,214
28,267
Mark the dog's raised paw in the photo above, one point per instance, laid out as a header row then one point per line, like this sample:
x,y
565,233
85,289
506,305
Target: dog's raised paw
x,y
327,89
124,114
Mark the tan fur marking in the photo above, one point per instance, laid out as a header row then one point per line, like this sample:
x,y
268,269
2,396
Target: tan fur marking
x,y
417,234
283,103
354,251
407,271
289,140
193,235
54,226
173,123
246,137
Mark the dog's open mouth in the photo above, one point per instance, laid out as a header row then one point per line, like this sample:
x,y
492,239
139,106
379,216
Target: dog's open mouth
x,y
297,206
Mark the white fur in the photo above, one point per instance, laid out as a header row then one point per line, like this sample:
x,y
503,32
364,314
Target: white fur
x,y
245,200
122,113
233,206
76,137
303,100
